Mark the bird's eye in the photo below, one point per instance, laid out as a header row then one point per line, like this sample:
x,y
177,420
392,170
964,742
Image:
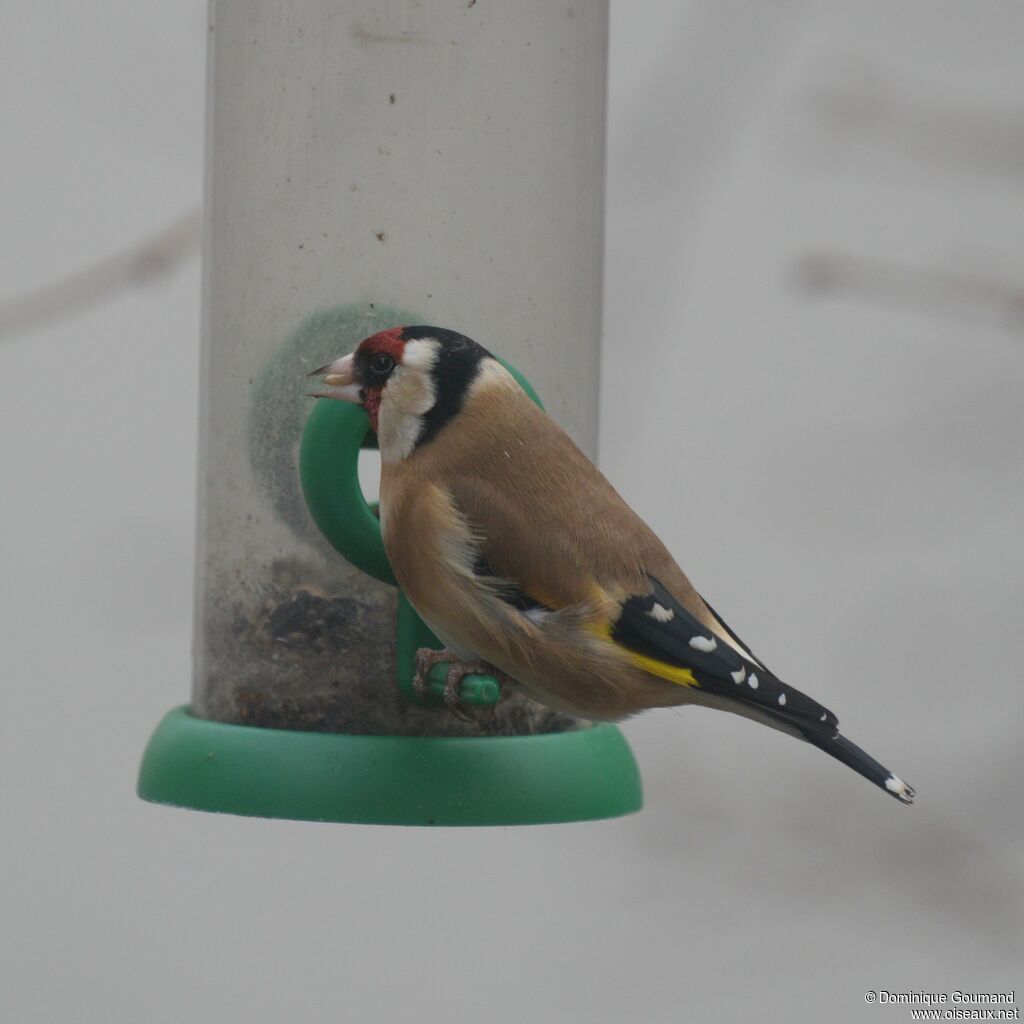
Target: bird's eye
x,y
381,364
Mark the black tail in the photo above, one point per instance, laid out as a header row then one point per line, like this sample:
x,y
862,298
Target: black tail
x,y
853,757
658,627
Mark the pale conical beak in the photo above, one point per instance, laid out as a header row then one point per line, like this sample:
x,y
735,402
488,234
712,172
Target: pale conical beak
x,y
338,377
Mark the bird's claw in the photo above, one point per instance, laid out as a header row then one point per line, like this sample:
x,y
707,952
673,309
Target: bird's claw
x,y
425,659
457,671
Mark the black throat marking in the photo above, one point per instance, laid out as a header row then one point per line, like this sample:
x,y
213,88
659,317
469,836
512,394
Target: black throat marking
x,y
457,365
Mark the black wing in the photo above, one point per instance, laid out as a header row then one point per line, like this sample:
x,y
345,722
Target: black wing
x,y
658,627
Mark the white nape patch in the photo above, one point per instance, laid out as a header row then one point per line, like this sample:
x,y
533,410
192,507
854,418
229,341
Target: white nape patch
x,y
660,614
704,643
409,395
782,698
752,681
739,675
491,373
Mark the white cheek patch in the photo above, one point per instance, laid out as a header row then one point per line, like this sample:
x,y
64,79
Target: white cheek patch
x,y
408,396
420,356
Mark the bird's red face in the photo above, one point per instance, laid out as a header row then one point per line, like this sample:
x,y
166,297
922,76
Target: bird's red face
x,y
363,375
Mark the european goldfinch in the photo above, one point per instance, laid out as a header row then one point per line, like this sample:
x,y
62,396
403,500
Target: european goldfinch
x,y
519,554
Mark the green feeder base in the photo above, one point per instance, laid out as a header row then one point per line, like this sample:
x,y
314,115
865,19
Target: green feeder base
x,y
389,780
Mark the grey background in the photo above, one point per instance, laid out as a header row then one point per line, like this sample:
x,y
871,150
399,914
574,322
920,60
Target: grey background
x,y
812,375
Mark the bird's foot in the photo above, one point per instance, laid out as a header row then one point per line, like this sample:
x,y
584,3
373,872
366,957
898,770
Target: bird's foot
x,y
458,671
426,659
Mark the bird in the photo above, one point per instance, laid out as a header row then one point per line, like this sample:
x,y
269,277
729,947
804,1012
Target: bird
x,y
527,564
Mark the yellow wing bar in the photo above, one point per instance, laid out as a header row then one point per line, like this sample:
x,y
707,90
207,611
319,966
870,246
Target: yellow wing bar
x,y
662,669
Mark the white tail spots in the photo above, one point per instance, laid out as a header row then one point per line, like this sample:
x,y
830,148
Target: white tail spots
x,y
782,698
900,789
704,643
660,614
752,681
739,675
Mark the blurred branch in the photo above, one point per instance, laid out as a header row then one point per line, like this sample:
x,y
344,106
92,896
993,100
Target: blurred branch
x,y
922,120
926,289
152,258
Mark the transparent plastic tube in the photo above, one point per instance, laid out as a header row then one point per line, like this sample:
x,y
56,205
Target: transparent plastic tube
x,y
369,165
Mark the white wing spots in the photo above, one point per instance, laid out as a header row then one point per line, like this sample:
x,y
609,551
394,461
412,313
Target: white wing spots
x,y
752,681
704,643
782,698
660,614
739,675
824,718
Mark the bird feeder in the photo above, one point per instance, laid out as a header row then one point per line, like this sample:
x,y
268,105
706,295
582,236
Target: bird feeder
x,y
349,191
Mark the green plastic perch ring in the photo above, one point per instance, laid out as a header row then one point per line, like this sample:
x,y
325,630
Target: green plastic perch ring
x,y
389,780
